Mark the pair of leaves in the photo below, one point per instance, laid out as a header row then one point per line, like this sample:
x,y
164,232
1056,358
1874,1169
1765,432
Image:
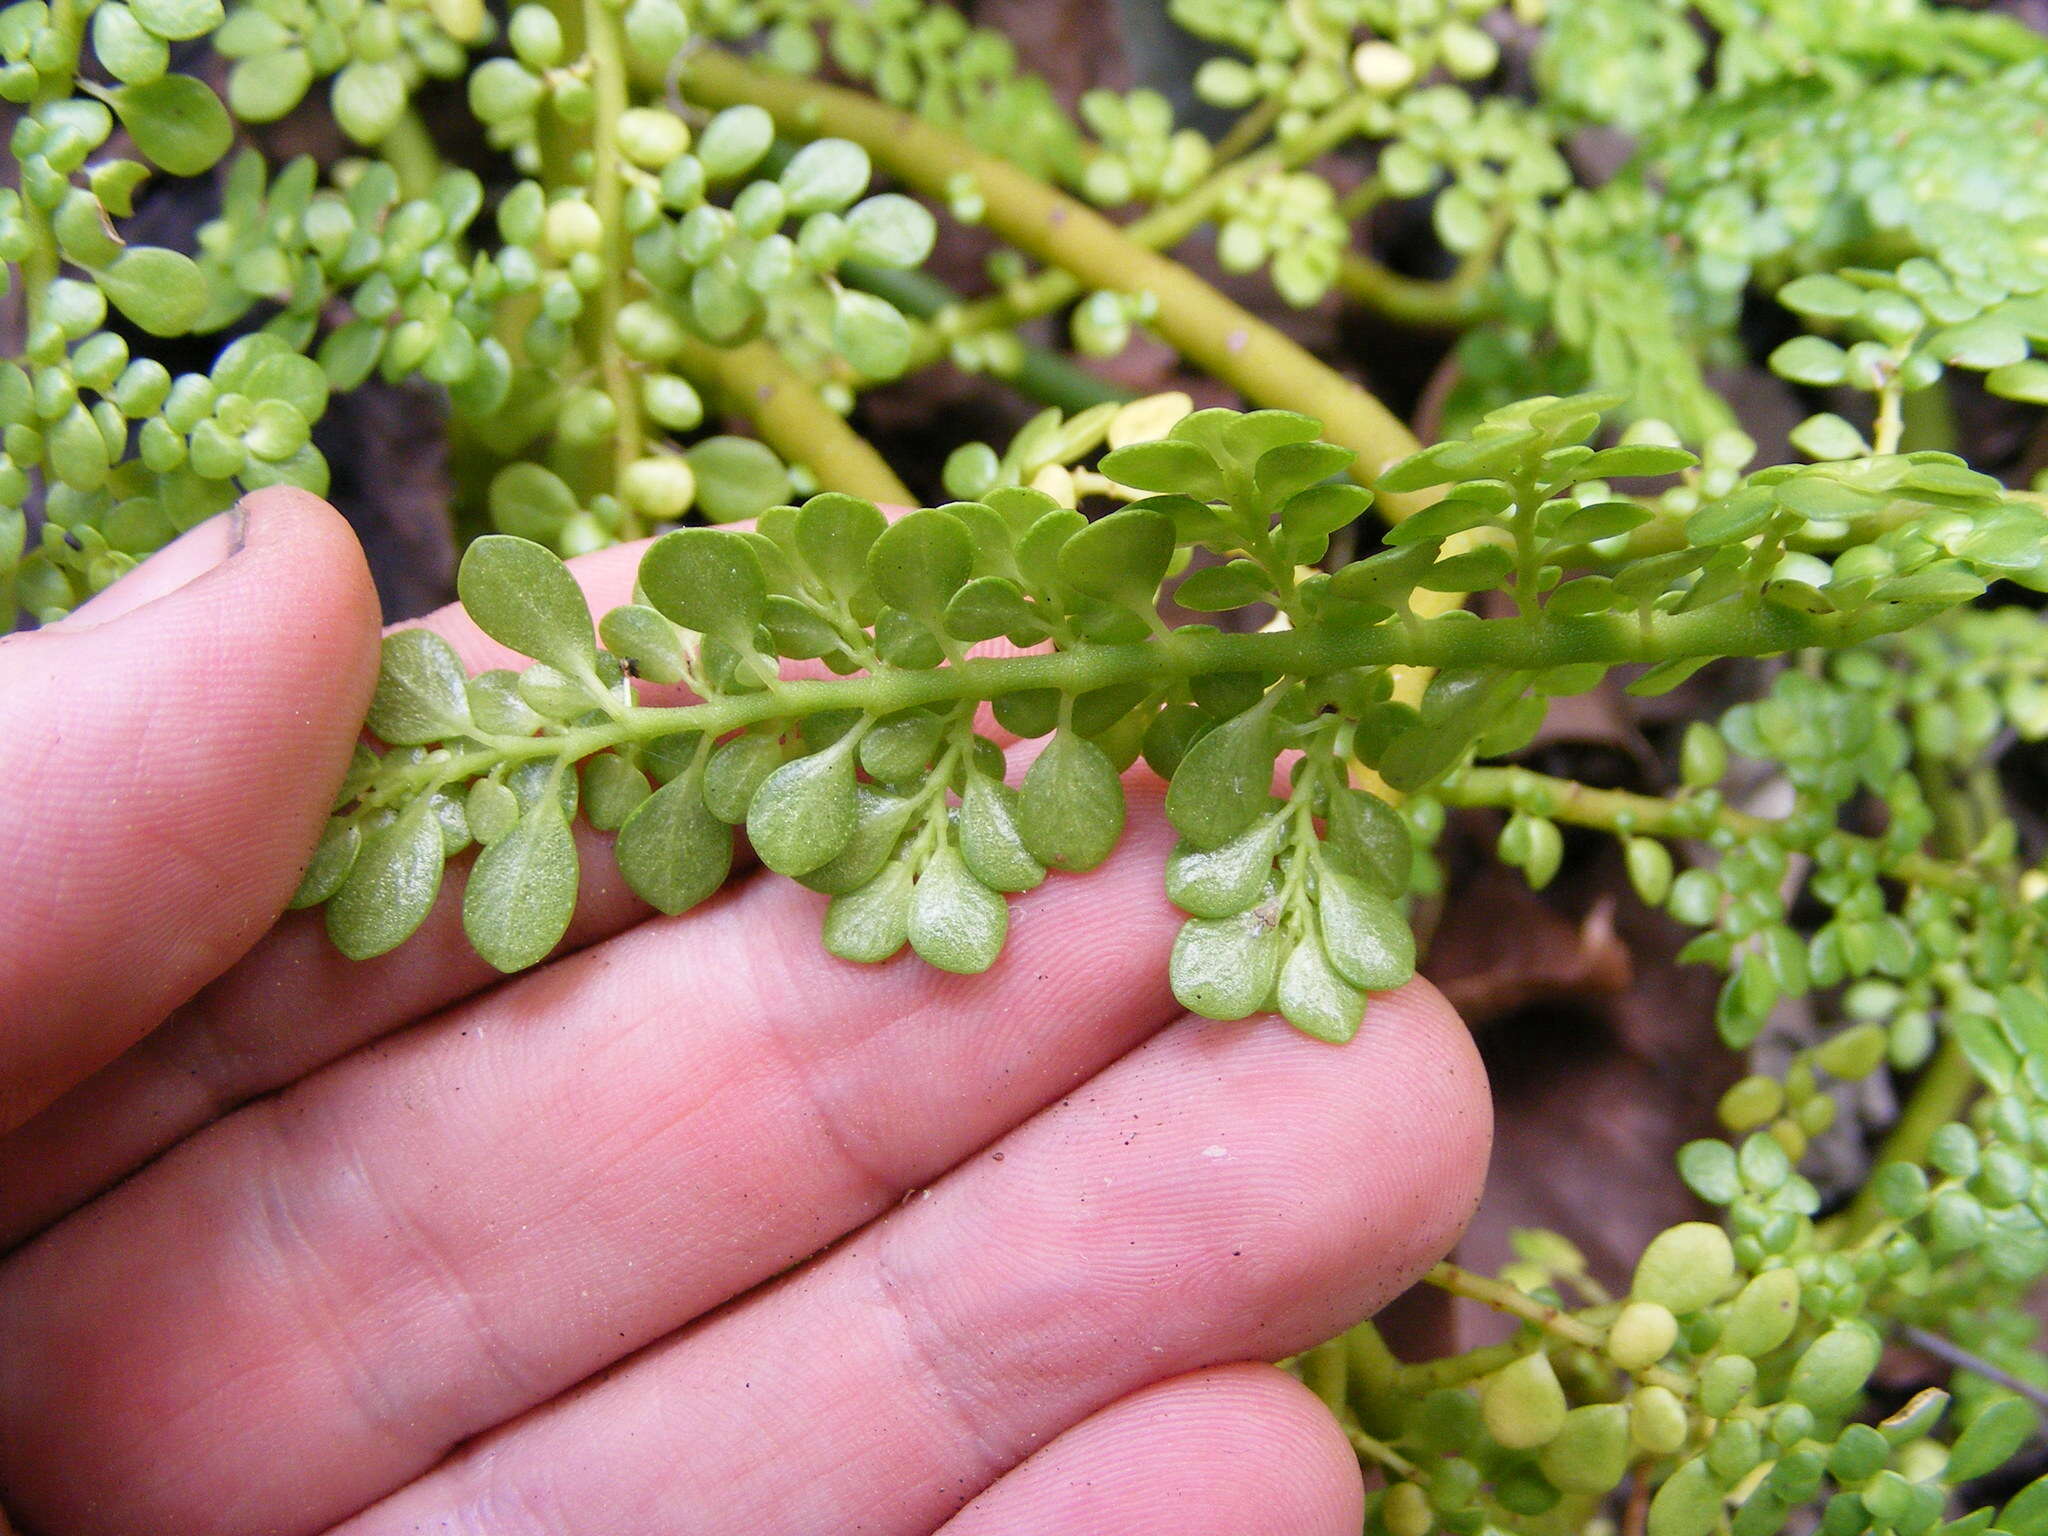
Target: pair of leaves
x,y
516,907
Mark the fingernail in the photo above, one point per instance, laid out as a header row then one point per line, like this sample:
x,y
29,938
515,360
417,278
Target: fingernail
x,y
179,563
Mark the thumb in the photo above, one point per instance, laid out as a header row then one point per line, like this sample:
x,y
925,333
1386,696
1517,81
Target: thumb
x,y
170,752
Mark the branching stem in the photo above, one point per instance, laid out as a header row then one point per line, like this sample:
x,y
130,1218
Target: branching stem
x,y
1444,642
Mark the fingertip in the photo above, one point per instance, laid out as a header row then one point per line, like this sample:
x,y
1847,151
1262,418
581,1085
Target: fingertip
x,y
1237,1450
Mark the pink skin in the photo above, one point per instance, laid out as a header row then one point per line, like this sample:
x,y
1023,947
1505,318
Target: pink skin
x,y
694,1228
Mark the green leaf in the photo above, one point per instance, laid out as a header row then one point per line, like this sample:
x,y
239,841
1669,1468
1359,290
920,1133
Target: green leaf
x,y
899,748
707,580
495,704
1220,588
1070,808
531,502
333,857
1810,360
1983,1045
612,790
1634,459
422,691
672,850
736,478
890,230
871,334
522,892
176,121
1365,934
1315,999
1688,1503
179,20
2026,1513
1834,1368
989,606
738,768
834,533
734,141
920,561
491,809
643,637
1322,509
1225,968
130,52
825,174
879,819
990,841
1823,296
1476,570
2027,381
1168,465
803,814
391,888
1983,343
1227,879
369,99
1602,520
1290,468
1120,558
1225,782
956,923
1368,839
263,88
1994,1437
1732,520
871,923
1523,1403
523,597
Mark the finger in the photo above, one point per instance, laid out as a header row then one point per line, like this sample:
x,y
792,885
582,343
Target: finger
x,y
172,750
315,1299
1227,1191
293,1005
1241,1450
296,1004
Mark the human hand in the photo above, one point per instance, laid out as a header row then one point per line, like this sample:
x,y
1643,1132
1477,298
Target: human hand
x,y
695,1229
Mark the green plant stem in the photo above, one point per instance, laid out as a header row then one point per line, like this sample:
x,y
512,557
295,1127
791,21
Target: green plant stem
x,y
1449,303
1618,810
1206,328
1553,1320
604,43
410,151
1928,419
793,420
1043,374
1938,1097
1531,644
1374,1449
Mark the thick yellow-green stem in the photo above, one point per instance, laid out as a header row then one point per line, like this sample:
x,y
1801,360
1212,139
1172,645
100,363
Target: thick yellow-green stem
x,y
605,44
1162,228
409,150
793,421
1200,323
1620,810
